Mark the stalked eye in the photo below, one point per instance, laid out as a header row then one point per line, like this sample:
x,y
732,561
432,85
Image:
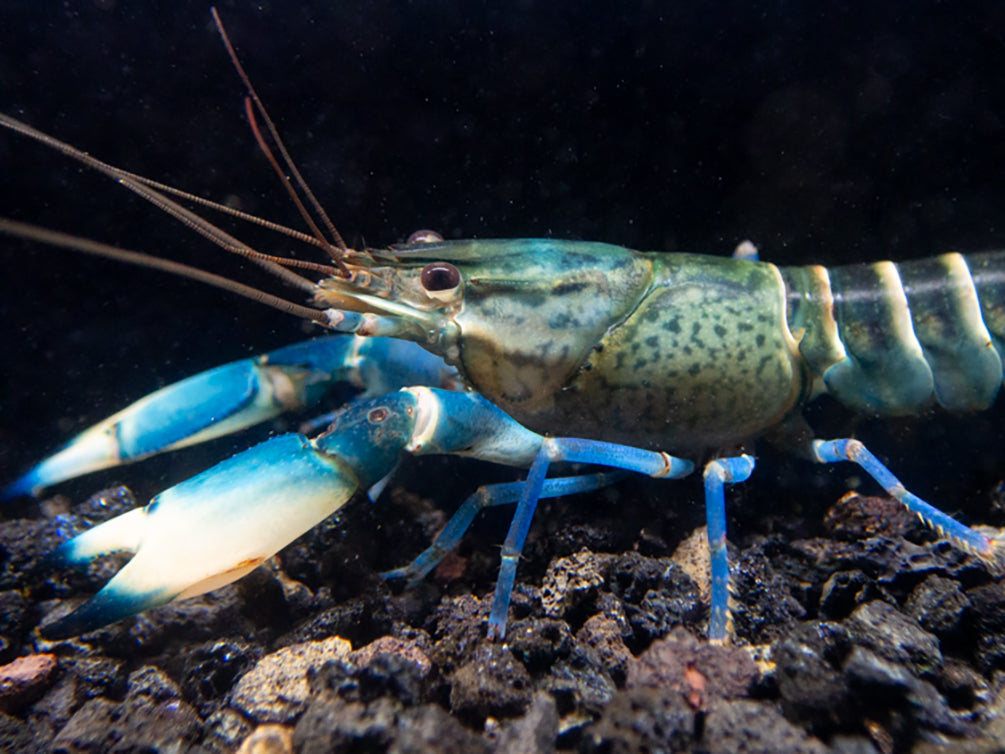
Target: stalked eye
x,y
424,236
440,278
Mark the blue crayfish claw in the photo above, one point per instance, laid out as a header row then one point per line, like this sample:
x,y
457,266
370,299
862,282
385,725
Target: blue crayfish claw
x,y
218,526
232,397
207,531
221,524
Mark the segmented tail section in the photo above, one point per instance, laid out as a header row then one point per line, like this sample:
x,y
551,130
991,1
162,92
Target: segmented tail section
x,y
889,338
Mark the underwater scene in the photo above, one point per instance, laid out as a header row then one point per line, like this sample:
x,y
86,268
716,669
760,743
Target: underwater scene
x,y
832,134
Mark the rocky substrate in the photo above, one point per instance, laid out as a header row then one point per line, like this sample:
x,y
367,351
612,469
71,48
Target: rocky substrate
x,y
873,637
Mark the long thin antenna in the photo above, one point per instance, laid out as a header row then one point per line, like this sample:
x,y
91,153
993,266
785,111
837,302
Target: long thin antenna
x,y
189,218
340,244
296,235
336,255
86,246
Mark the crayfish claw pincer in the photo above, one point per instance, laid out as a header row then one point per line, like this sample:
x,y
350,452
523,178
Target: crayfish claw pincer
x,y
207,531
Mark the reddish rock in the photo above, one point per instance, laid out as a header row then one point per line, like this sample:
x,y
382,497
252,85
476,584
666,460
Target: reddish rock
x,y
25,680
391,645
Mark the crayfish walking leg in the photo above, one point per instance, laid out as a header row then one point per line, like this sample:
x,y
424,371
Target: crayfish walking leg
x,y
833,451
490,496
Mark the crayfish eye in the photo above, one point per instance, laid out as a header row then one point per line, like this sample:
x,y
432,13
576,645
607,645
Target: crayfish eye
x,y
440,279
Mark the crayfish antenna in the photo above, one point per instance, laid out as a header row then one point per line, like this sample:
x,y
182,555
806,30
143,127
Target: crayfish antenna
x,y
337,246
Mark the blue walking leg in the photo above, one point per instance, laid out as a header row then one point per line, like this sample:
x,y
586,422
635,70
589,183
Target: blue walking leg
x,y
571,450
831,451
718,473
488,497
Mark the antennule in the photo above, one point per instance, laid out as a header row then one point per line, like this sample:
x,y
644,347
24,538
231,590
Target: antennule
x,y
339,243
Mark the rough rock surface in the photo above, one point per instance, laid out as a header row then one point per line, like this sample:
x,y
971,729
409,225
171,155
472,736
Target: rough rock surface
x,y
275,690
24,680
606,655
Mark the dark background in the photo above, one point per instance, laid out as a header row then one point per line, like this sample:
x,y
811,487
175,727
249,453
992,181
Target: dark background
x,y
827,133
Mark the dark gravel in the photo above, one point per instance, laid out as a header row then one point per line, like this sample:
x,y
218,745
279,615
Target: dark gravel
x,y
911,660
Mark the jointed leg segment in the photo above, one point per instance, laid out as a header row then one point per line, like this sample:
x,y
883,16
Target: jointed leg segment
x,y
831,451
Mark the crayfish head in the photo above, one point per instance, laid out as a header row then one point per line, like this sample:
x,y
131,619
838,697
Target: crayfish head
x,y
517,318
